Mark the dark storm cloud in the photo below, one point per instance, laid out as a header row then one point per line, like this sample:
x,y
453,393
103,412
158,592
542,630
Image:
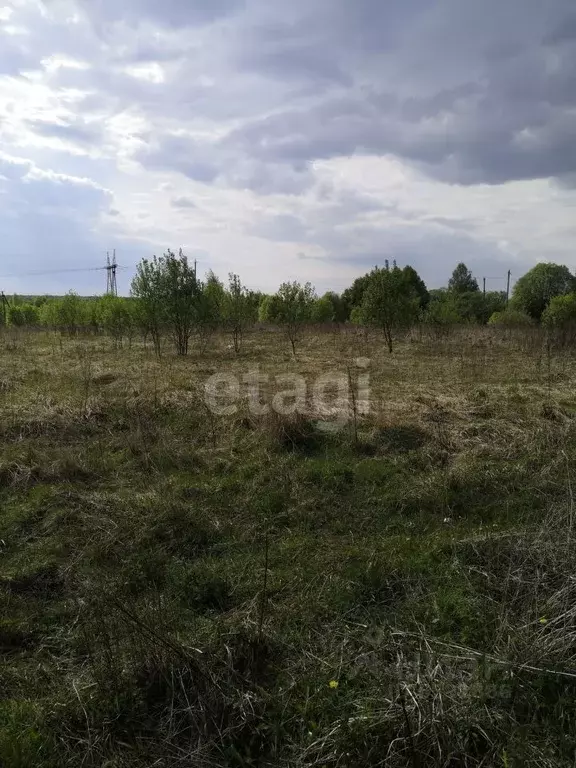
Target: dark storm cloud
x,y
511,116
468,94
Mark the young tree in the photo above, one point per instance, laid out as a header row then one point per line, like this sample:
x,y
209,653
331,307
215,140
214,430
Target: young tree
x,y
291,307
148,291
114,317
536,289
181,292
69,313
462,280
169,293
253,301
390,302
210,309
236,310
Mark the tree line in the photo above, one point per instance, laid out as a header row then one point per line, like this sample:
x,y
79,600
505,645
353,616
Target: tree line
x,y
169,300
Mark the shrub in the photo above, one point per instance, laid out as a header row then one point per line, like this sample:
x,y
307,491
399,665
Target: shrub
x,y
511,318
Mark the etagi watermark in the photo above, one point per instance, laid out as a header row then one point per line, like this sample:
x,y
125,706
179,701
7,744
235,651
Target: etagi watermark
x,y
334,395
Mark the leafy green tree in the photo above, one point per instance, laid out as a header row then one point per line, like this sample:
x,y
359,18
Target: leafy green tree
x,y
560,318
561,312
210,308
47,314
462,280
323,310
214,288
115,317
66,314
291,307
148,290
181,293
237,310
169,294
449,307
353,296
443,310
339,308
356,316
390,302
476,307
253,300
268,309
418,285
535,290
492,301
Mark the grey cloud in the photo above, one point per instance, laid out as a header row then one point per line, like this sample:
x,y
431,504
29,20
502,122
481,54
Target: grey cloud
x,y
281,228
465,136
565,31
432,252
182,202
469,94
176,13
77,131
180,153
268,177
501,107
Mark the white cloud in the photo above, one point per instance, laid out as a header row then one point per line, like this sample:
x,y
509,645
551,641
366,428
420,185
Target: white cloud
x,y
151,72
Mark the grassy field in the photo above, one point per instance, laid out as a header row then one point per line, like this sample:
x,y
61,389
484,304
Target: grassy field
x,y
179,588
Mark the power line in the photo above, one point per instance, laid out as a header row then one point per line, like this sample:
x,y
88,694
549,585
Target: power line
x,y
40,273
52,272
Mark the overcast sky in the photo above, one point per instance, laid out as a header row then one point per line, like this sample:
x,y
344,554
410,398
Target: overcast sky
x,y
302,140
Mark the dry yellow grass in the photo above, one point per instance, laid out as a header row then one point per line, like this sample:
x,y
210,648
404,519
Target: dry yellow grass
x,y
177,585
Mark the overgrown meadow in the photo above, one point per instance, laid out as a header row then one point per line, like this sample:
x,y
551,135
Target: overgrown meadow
x,y
181,588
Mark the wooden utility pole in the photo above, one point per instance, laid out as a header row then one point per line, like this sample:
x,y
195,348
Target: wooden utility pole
x,y
484,286
508,288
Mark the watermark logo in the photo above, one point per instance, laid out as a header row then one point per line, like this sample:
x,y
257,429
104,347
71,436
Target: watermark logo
x,y
334,395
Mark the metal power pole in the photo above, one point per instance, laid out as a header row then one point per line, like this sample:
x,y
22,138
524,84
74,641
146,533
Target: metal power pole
x,y
111,267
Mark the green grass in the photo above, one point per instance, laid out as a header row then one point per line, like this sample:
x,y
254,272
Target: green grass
x,y
182,588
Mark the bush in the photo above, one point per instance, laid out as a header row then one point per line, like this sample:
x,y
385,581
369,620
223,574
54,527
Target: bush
x,y
511,318
561,312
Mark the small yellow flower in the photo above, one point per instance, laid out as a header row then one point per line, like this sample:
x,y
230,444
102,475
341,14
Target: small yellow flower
x,y
333,684
543,620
